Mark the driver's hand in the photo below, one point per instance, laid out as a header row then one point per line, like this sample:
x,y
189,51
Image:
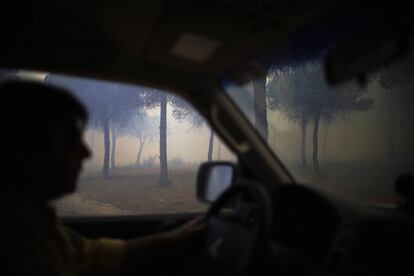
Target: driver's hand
x,y
189,232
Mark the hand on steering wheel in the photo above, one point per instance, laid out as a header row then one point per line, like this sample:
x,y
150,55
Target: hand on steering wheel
x,y
236,239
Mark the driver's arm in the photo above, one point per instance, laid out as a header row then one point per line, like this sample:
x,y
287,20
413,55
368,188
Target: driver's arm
x,y
160,252
163,252
93,256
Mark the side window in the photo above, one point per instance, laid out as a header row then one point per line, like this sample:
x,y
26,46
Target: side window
x,y
146,148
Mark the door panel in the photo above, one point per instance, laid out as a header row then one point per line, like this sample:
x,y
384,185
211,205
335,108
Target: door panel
x,y
125,227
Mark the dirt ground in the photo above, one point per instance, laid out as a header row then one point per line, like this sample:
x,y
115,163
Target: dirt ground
x,y
132,191
76,205
372,183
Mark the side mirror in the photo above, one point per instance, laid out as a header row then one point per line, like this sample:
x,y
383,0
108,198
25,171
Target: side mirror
x,y
213,178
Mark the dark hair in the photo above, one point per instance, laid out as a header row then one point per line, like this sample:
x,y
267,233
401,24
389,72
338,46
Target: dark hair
x,y
31,110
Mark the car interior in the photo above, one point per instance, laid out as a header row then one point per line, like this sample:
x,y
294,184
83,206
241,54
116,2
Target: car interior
x,y
344,209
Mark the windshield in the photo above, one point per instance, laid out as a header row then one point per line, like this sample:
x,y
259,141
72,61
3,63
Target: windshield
x,y
354,139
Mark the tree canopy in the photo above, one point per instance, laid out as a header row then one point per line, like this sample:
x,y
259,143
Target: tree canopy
x,y
302,95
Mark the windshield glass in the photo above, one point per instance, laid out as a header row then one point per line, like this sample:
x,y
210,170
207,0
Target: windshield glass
x,y
354,139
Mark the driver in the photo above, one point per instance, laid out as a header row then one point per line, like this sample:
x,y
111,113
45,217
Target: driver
x,y
42,152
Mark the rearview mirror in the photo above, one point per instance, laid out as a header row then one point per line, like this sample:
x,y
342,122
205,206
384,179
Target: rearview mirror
x,y
213,179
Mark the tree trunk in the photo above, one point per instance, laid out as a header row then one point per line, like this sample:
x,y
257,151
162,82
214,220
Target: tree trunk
x,y
141,146
210,145
392,134
163,142
107,144
219,151
325,141
315,141
113,150
304,123
260,111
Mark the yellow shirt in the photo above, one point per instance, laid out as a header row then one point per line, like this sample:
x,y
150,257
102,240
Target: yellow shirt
x,y
35,242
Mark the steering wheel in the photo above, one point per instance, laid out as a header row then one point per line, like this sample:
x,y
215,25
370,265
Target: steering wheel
x,y
239,223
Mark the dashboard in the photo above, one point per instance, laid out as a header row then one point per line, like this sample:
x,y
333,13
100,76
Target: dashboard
x,y
327,235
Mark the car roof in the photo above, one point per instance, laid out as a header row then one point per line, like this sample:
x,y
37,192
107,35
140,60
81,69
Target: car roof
x,y
136,41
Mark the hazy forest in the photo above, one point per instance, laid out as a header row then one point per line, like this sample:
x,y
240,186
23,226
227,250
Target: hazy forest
x,y
353,139
147,144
